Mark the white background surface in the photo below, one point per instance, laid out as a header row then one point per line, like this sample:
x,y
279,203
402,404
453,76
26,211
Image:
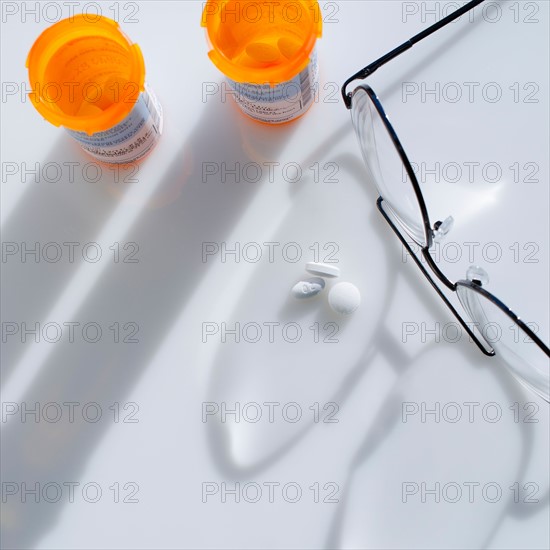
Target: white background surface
x,y
170,453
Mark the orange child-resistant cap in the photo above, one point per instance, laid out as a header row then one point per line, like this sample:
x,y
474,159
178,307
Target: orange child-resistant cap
x,y
86,74
261,41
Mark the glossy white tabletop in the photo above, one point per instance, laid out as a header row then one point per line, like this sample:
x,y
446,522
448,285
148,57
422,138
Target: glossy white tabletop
x,y
183,399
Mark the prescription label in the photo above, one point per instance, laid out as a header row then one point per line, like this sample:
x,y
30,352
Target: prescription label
x,y
280,103
130,139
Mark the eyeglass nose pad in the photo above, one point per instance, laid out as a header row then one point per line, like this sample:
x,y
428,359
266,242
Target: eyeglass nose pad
x,y
477,275
442,228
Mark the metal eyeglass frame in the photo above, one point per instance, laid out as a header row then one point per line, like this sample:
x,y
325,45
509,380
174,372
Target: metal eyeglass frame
x,y
475,284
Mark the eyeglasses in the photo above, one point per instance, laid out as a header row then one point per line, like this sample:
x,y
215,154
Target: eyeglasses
x,y
402,205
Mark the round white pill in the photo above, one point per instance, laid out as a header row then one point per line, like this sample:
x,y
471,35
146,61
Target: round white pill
x,y
344,298
309,288
322,270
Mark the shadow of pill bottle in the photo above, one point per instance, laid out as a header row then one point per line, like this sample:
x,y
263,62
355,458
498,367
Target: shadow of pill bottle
x,y
87,76
267,52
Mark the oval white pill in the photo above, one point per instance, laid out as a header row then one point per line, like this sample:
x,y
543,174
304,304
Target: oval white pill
x,y
344,298
309,288
323,270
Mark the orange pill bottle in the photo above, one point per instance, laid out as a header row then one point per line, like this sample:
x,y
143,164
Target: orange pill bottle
x,y
87,76
266,49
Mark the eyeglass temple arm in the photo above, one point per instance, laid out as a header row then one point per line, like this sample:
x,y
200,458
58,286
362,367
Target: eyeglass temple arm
x,y
369,69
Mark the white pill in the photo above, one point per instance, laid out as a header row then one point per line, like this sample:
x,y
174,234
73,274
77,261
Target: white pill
x,y
308,288
344,298
323,270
